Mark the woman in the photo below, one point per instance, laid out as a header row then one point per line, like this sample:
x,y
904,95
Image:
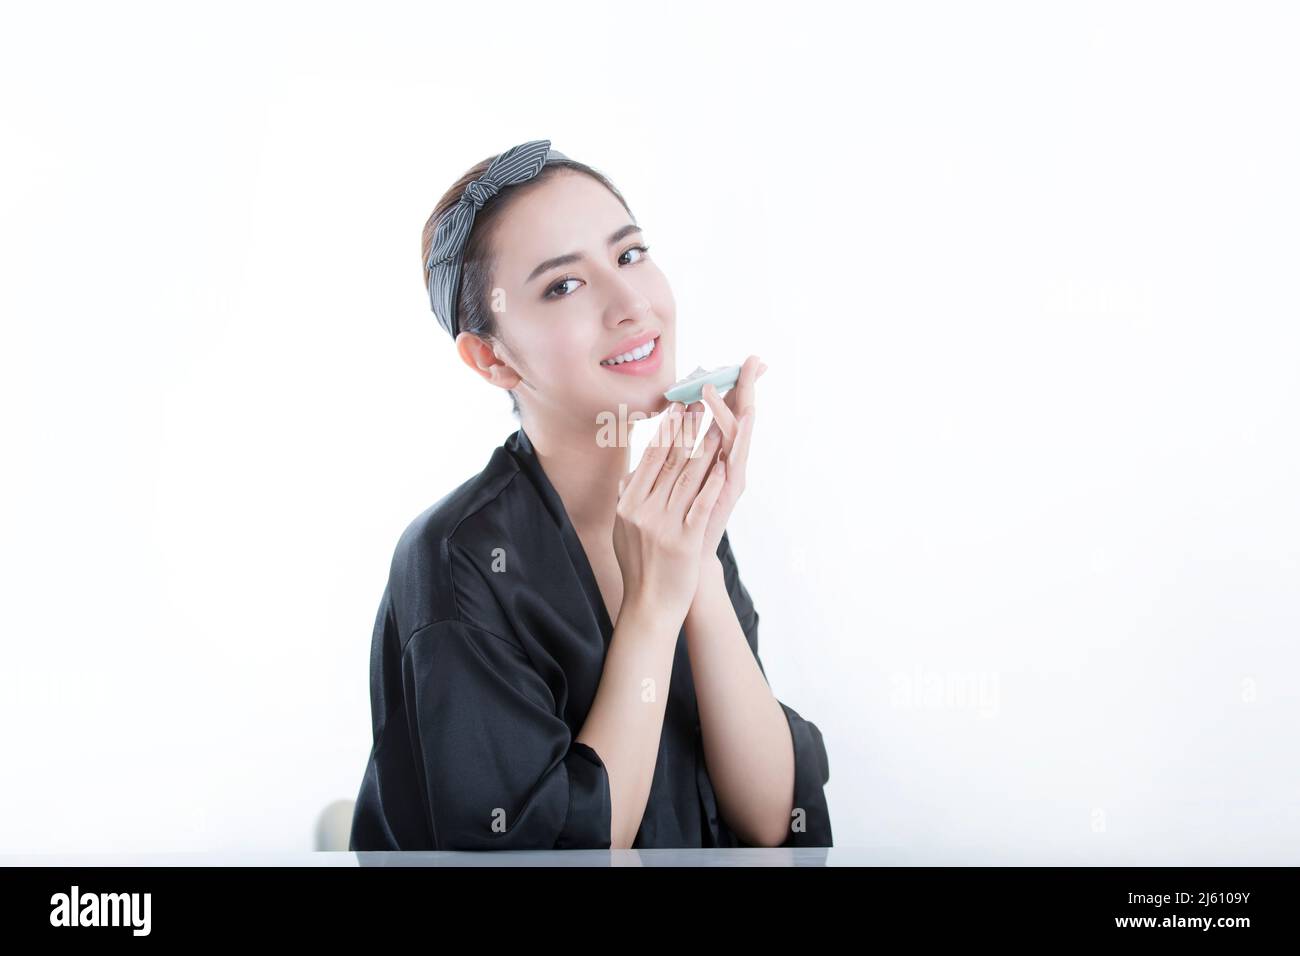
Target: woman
x,y
565,655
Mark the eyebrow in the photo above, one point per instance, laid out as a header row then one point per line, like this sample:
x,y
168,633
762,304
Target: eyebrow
x,y
578,256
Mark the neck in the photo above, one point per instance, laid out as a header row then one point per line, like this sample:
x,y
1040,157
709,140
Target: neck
x,y
585,474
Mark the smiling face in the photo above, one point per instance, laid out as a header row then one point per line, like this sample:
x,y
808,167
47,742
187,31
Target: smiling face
x,y
576,290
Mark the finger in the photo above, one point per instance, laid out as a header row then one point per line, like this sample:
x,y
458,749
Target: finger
x,y
722,415
738,457
695,418
741,398
711,443
714,438
693,474
698,516
647,469
743,390
677,454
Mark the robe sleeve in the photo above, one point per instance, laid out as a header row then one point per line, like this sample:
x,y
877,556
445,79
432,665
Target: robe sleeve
x,y
499,768
811,764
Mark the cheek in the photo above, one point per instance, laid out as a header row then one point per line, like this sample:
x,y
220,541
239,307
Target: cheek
x,y
560,354
660,294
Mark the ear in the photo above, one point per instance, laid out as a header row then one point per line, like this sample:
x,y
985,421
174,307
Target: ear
x,y
480,356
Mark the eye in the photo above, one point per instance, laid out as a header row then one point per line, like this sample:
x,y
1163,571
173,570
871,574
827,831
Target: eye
x,y
551,293
641,249
554,291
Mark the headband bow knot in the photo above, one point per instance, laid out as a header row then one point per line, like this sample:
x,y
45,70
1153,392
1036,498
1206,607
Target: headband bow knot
x,y
479,191
516,165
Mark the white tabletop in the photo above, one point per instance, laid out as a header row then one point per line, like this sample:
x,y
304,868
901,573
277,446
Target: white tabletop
x,y
805,856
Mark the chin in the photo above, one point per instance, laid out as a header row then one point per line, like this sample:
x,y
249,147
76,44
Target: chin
x,y
638,394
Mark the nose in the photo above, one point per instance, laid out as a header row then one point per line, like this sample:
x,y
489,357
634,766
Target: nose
x,y
626,303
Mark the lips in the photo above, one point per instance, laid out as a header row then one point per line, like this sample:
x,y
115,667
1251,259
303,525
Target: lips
x,y
642,362
630,345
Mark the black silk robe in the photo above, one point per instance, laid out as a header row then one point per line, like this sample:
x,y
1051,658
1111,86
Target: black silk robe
x,y
487,652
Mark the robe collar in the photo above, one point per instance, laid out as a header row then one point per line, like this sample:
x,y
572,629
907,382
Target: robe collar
x,y
521,449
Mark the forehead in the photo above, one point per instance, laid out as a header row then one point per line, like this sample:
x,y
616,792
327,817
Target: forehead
x,y
571,212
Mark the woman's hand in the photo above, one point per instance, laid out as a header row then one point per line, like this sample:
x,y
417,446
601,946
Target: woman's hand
x,y
660,520
733,424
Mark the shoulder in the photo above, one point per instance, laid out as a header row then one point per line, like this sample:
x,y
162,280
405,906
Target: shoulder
x,y
420,575
427,533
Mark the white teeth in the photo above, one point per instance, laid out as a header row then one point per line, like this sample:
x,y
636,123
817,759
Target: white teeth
x,y
635,355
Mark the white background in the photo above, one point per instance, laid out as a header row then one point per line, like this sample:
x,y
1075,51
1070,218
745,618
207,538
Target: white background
x,y
1024,275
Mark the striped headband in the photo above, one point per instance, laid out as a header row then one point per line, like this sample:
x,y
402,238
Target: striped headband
x,y
516,165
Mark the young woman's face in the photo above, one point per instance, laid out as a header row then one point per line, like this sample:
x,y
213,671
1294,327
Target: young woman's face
x,y
562,320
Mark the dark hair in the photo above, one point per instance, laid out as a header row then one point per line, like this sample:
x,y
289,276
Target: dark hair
x,y
473,298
